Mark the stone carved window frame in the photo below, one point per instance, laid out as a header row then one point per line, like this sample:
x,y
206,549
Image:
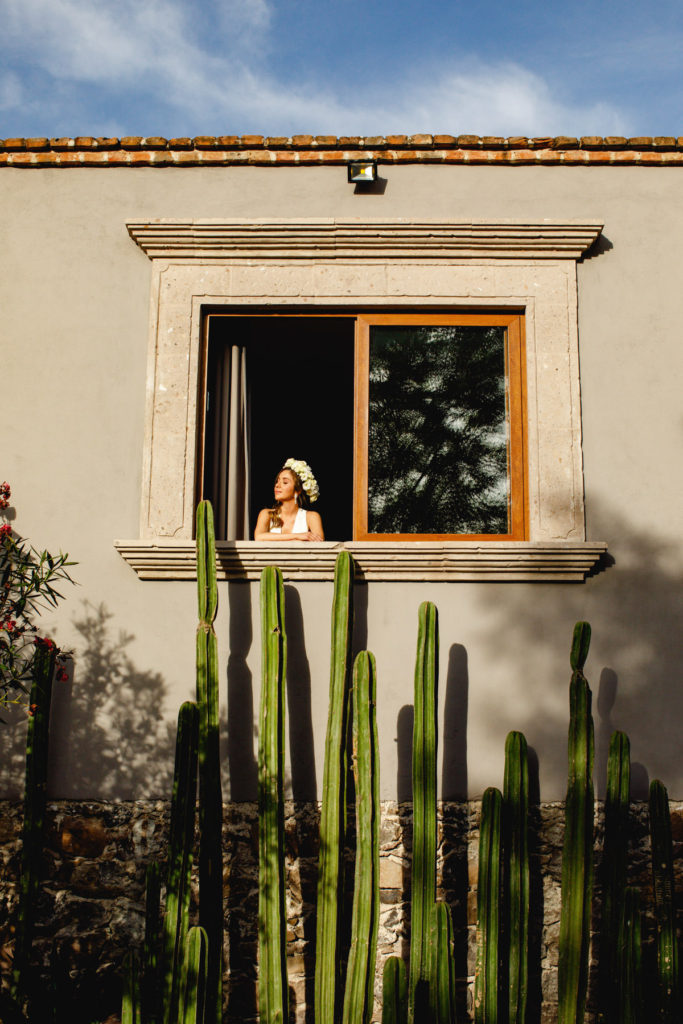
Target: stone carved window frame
x,y
398,265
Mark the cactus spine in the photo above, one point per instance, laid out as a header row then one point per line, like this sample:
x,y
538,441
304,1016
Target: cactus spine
x,y
273,993
424,800
577,853
663,885
210,797
394,992
442,967
614,869
333,813
35,796
194,977
360,975
180,857
486,980
516,800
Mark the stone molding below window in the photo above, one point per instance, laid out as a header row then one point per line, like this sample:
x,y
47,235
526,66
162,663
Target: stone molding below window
x,y
419,561
208,239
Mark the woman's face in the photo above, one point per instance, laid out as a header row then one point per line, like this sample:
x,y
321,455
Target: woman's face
x,y
285,486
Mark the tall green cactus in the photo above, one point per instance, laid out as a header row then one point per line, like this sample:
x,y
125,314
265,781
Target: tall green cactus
x,y
394,992
629,1001
210,797
333,812
183,803
152,944
516,818
273,992
130,1002
614,871
35,797
194,978
360,973
442,965
424,800
577,853
665,917
486,976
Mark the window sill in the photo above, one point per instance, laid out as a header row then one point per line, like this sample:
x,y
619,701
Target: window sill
x,y
422,561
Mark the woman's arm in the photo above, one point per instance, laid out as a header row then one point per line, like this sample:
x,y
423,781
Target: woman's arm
x,y
315,526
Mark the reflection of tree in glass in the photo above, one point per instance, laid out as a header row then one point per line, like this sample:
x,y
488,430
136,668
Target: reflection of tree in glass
x,y
437,458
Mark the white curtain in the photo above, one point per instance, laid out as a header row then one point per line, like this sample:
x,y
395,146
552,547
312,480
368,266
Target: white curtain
x,y
230,470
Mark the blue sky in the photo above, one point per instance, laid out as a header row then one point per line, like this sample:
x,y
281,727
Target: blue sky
x,y
280,67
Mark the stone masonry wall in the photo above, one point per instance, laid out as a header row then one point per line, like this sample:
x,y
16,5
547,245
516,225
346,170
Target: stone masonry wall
x,y
91,908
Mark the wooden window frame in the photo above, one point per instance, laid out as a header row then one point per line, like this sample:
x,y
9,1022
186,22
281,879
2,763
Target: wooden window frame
x,y
513,323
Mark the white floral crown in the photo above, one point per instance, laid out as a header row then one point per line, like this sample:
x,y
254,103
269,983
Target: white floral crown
x,y
308,481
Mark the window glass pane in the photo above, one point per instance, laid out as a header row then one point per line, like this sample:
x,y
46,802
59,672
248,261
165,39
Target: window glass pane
x,y
438,430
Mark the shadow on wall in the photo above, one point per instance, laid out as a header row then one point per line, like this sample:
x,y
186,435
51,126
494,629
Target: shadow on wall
x,y
635,666
107,738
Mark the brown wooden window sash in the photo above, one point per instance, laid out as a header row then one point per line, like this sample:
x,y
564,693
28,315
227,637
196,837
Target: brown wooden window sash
x,y
516,410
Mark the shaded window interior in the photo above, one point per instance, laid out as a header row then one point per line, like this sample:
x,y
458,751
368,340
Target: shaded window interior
x,y
299,388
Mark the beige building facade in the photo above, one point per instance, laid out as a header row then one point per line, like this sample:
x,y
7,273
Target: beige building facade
x,y
113,254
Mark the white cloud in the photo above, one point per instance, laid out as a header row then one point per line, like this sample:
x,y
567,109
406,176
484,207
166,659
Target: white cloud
x,y
150,54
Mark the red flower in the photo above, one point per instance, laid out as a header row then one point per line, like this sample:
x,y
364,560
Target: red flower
x,y
32,710
43,641
62,675
5,531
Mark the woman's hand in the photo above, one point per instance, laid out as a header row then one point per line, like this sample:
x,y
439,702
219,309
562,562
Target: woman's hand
x,y
311,535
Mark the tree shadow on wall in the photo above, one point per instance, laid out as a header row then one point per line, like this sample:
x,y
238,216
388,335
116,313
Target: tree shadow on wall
x,y
634,667
108,738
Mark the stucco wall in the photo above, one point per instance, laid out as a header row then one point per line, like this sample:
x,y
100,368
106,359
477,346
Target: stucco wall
x,y
74,295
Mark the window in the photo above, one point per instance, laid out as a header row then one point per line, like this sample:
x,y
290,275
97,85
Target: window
x,y
429,447
359,269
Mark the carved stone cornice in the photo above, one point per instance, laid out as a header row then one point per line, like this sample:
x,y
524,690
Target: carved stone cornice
x,y
427,561
330,238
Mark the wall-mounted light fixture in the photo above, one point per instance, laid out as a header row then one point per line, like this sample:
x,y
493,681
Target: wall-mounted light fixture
x,y
362,172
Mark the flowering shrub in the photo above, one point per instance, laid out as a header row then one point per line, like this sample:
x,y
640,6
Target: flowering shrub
x,y
28,584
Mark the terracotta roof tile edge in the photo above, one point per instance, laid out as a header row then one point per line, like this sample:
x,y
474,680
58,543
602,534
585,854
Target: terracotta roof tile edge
x,y
204,150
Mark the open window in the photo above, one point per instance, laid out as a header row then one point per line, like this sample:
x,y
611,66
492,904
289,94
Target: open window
x,y
413,423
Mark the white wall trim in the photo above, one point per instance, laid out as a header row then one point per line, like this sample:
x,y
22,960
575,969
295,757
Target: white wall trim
x,y
207,239
424,561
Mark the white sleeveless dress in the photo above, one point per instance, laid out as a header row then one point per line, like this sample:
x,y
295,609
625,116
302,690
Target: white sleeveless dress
x,y
300,524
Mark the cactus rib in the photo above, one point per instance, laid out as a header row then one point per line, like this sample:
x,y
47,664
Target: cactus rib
x,y
614,870
210,796
424,799
273,992
333,812
183,803
394,992
577,852
360,975
665,917
516,802
486,979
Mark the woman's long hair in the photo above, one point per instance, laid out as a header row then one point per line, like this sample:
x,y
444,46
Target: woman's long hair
x,y
301,499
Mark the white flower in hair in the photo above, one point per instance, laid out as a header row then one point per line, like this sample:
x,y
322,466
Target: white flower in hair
x,y
308,481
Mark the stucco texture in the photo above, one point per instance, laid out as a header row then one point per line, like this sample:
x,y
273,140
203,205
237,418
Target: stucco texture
x,y
75,300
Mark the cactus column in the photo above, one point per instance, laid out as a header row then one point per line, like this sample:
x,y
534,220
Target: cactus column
x,y
273,993
486,980
516,815
360,975
210,797
424,800
577,852
333,813
665,914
